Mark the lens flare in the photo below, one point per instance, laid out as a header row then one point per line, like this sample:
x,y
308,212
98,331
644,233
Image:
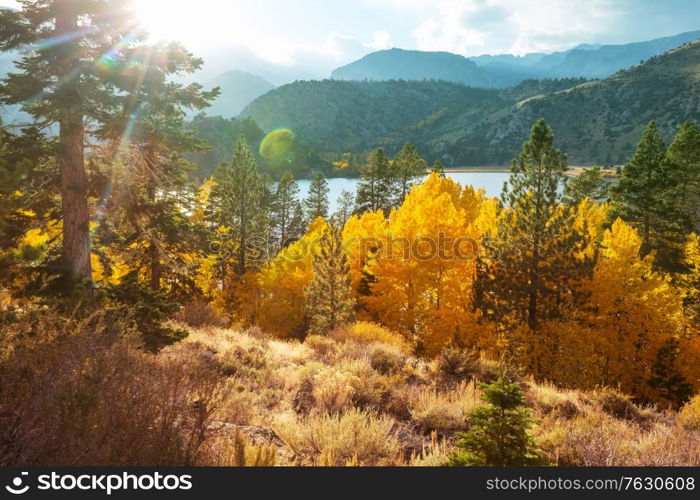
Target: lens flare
x,y
277,144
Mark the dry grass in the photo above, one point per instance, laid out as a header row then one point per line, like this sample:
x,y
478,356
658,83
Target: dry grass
x,y
226,397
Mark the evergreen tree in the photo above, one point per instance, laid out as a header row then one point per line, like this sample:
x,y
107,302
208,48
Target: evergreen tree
x,y
346,207
534,274
438,168
666,378
316,202
499,435
149,191
588,184
680,198
375,189
636,197
240,201
408,167
71,71
285,209
328,296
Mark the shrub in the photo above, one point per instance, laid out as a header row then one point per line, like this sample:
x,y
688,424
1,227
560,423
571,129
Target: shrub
x,y
458,363
364,437
616,404
82,394
365,332
234,450
199,315
499,435
333,391
444,411
148,310
387,360
689,416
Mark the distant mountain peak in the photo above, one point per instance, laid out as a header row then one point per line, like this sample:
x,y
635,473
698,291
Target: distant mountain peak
x,y
401,64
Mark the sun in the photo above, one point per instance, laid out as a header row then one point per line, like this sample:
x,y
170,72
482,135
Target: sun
x,y
187,21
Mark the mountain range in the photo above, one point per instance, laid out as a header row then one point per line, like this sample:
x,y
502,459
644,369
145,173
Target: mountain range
x,y
586,61
594,121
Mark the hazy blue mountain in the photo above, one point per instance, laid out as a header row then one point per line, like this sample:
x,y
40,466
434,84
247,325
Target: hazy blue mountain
x,y
609,59
238,89
399,64
505,70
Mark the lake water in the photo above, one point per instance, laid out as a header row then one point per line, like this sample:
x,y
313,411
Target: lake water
x,y
492,182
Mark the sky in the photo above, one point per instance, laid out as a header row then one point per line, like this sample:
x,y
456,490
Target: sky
x,y
289,39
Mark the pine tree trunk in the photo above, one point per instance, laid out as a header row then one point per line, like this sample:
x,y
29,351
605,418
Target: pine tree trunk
x,y
74,184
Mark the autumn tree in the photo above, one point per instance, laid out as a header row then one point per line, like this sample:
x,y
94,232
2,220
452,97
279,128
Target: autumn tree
x,y
282,282
422,276
635,315
534,275
316,202
408,167
328,296
374,191
70,53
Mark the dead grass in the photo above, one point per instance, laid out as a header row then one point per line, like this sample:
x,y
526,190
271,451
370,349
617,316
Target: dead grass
x,y
227,397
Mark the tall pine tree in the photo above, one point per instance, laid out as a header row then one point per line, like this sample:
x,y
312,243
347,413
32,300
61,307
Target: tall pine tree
x,y
534,274
70,54
328,296
408,168
240,202
637,195
285,210
316,202
375,189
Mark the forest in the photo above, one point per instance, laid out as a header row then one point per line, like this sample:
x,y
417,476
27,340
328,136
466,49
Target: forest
x,y
149,316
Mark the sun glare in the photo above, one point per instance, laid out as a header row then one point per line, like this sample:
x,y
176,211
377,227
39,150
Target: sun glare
x,y
188,21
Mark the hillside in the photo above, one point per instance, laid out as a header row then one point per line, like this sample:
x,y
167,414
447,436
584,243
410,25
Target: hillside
x,y
238,89
358,116
398,64
465,126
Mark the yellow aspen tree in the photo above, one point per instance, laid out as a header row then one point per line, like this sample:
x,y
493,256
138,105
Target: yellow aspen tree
x,y
281,285
636,312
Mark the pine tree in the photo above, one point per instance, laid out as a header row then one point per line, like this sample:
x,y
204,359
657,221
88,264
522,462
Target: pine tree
x,y
346,207
680,198
284,210
375,189
408,167
316,202
637,195
499,434
71,71
240,202
588,184
438,168
146,170
534,275
328,296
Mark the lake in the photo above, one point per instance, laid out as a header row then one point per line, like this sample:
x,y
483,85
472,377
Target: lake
x,y
492,182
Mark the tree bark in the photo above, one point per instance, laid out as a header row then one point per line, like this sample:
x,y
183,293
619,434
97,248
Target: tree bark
x,y
74,184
